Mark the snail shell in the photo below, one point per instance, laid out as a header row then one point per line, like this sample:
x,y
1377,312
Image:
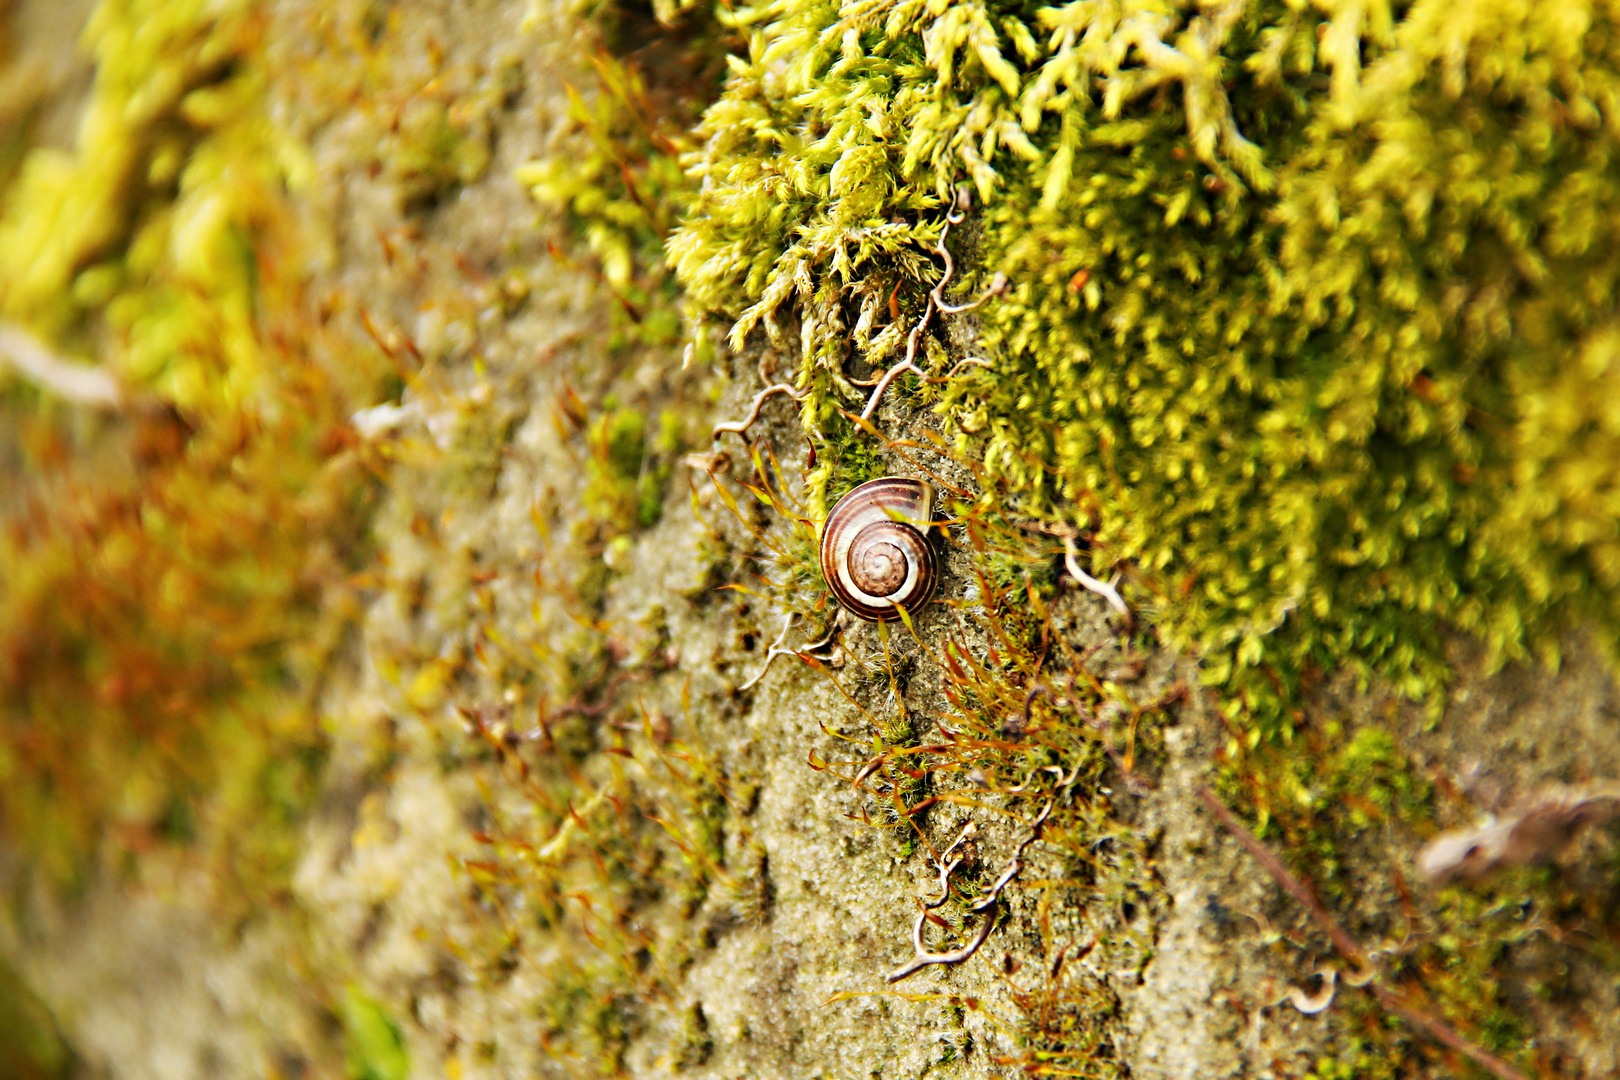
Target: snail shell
x,y
876,550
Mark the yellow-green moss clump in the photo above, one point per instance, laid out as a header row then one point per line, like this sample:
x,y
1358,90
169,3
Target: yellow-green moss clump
x,y
1311,317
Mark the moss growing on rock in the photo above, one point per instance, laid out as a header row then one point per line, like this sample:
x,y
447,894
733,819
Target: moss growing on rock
x,y
569,825
1310,317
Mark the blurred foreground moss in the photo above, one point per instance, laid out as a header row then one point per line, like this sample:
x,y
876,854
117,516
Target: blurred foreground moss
x,y
164,613
375,1049
30,1046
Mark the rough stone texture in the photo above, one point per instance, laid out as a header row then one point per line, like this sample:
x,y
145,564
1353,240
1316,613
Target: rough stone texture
x,y
145,985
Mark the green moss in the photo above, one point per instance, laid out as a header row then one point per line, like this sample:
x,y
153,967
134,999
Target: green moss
x,y
629,853
1312,329
696,1042
1473,955
627,473
1023,748
627,192
31,1048
848,458
1372,769
437,149
1307,304
374,1048
155,616
1281,311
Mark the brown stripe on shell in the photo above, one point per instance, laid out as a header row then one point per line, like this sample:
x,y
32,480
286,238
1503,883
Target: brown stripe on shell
x,y
879,535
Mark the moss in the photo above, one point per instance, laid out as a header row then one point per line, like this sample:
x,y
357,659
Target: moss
x,y
1372,769
630,845
435,153
31,1048
1284,282
157,615
375,1050
1024,718
628,472
1341,802
695,1042
629,190
19,107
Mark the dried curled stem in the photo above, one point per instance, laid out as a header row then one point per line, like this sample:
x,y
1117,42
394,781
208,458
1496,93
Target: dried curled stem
x,y
740,427
908,364
956,369
1309,1004
776,650
1071,562
936,302
779,649
839,621
79,383
985,906
1533,833
1104,589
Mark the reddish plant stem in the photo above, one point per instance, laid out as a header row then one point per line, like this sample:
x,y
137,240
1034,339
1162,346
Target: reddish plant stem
x,y
1390,998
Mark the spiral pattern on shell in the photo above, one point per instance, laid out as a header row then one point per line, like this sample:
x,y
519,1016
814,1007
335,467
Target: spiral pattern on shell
x,y
876,551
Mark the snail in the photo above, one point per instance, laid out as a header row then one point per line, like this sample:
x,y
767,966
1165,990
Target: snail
x,y
876,549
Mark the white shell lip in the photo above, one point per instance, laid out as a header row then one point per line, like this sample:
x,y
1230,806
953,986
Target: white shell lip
x,y
910,502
